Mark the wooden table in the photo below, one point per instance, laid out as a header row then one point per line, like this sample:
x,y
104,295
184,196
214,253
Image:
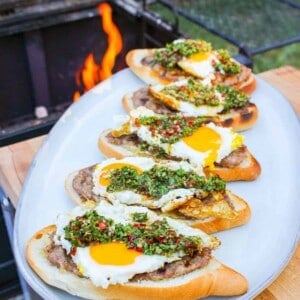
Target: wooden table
x,y
15,160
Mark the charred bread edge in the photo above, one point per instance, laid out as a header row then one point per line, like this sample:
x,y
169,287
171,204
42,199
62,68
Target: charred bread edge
x,y
215,279
235,120
249,171
135,57
246,173
248,86
208,225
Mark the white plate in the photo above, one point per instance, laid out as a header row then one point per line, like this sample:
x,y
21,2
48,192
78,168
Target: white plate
x,y
259,250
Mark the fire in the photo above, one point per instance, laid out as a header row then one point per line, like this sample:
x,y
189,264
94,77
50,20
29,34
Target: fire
x,y
91,73
114,41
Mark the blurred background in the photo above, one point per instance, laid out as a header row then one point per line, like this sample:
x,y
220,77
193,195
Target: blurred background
x,y
262,23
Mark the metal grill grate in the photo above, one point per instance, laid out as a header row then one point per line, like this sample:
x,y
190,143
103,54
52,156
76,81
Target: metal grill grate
x,y
255,26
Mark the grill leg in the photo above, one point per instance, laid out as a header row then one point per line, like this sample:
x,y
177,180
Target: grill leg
x,y
38,71
8,215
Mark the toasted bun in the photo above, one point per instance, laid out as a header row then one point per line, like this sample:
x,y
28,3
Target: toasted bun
x,y
110,150
249,85
70,190
127,102
215,279
248,170
150,75
238,119
147,74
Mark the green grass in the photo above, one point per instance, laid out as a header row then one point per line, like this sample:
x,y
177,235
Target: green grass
x,y
287,55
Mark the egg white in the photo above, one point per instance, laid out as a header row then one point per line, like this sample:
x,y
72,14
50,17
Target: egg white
x,y
203,68
190,109
116,274
104,275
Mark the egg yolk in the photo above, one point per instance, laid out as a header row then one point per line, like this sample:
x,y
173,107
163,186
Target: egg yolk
x,y
125,129
113,253
201,56
104,176
237,141
205,140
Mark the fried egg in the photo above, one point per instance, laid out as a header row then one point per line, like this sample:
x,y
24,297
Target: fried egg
x,y
198,58
115,262
206,145
167,202
112,263
176,101
199,65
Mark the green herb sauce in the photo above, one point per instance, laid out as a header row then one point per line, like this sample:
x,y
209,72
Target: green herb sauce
x,y
196,93
233,97
155,150
159,180
139,217
150,238
172,128
226,65
193,92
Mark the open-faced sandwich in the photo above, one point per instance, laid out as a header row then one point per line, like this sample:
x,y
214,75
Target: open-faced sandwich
x,y
186,57
169,188
218,150
227,106
128,252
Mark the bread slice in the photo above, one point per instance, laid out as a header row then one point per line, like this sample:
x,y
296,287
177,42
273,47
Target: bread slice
x,y
214,279
159,75
134,60
242,212
238,119
249,169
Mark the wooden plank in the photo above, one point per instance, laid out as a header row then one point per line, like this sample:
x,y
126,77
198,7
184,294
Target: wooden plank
x,y
14,163
287,284
287,81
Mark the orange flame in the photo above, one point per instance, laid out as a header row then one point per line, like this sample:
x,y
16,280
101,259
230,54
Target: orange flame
x,y
92,73
115,43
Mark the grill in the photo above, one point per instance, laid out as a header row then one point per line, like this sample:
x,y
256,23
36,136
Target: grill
x,y
51,40
253,26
